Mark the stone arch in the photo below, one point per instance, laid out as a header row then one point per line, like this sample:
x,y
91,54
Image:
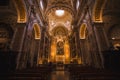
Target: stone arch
x,y
82,32
98,10
21,11
60,30
37,30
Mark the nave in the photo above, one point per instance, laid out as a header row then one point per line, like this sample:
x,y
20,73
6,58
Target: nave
x,y
60,39
64,72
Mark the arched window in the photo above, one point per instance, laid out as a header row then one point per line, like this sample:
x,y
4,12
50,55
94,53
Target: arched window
x,y
41,5
82,32
77,4
36,28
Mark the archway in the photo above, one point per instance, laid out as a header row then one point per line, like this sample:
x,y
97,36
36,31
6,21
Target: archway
x,y
37,31
82,36
82,32
85,57
21,11
60,45
98,10
33,46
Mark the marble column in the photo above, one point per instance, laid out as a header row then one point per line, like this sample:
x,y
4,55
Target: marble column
x,y
38,52
83,51
42,43
77,45
18,40
101,39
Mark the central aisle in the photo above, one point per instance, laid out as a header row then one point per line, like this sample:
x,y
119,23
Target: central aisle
x,y
60,75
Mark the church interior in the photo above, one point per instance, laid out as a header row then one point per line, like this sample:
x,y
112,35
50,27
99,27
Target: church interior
x,y
59,39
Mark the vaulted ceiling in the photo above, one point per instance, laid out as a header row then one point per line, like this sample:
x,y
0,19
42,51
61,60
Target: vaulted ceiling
x,y
59,14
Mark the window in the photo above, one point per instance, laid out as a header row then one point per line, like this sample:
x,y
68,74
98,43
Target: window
x,y
77,4
41,4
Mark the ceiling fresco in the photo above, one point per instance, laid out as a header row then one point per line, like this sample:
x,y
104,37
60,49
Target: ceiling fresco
x,y
59,13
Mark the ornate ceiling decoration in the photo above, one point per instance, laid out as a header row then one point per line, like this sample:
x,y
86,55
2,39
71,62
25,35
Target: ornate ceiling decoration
x,y
60,33
59,13
59,4
98,10
64,20
21,11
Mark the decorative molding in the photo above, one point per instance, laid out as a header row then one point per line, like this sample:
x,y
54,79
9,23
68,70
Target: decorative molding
x,y
59,4
98,11
21,10
82,32
37,31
